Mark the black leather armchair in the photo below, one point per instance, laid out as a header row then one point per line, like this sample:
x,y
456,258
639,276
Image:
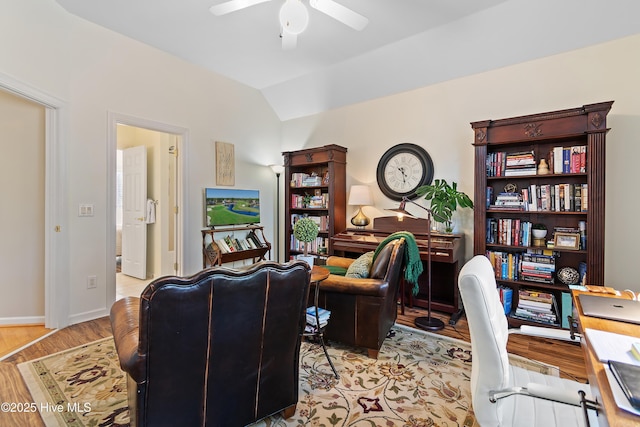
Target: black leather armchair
x,y
220,348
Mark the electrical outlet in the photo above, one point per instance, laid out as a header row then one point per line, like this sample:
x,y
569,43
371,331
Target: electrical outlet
x,y
92,282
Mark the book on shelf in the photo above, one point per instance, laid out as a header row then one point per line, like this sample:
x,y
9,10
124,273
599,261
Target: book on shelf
x,y
531,316
489,196
536,296
506,298
505,264
566,160
229,243
566,307
222,245
520,171
301,179
521,158
508,231
255,239
537,306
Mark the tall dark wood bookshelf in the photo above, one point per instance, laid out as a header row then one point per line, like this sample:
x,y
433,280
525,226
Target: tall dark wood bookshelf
x,y
325,169
539,134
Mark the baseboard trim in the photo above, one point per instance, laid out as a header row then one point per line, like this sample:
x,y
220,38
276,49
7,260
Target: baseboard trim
x,y
23,320
88,315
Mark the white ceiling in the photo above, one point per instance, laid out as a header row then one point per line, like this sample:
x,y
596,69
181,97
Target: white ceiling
x,y
407,44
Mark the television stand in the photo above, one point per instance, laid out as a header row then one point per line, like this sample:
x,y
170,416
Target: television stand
x,y
230,248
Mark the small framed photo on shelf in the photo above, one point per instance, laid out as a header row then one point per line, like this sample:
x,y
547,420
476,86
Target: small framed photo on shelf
x,y
325,178
566,241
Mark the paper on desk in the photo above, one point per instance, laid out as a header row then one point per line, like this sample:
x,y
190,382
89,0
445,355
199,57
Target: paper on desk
x,y
618,394
611,346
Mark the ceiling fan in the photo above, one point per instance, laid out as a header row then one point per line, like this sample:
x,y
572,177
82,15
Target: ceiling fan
x,y
294,17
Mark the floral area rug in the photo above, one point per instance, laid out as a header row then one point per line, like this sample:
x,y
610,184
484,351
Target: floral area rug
x,y
82,386
419,379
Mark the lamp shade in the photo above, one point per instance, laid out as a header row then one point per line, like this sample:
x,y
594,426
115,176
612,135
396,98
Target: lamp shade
x,y
360,195
277,169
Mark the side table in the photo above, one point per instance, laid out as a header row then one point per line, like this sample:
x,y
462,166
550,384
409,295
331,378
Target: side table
x,y
318,274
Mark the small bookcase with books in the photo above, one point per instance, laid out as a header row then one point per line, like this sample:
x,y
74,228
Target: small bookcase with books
x,y
229,244
539,207
315,187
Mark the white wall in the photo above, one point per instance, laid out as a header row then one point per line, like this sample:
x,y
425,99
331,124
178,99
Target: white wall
x,y
437,117
96,72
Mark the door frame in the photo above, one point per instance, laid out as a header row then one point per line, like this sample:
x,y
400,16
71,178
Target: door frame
x,y
56,237
113,120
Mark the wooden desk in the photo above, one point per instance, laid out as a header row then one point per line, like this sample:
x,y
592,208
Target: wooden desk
x,y
615,417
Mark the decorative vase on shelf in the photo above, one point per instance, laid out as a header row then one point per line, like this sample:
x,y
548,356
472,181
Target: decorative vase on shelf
x,y
543,168
539,234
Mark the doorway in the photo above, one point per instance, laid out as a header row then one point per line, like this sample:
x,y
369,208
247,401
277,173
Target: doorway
x,y
163,144
54,238
22,172
141,257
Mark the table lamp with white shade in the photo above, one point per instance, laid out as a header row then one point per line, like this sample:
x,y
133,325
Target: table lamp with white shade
x,y
360,195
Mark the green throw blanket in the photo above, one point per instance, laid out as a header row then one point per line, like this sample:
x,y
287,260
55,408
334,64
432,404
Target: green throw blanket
x,y
413,264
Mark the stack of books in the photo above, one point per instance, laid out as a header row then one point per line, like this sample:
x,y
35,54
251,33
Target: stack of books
x,y
312,322
518,164
537,306
509,201
537,267
300,179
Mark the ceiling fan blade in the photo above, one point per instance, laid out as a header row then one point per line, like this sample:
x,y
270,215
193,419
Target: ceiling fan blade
x,y
289,40
340,13
232,6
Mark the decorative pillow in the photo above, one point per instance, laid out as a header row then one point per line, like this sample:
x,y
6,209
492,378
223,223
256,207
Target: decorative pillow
x,y
359,268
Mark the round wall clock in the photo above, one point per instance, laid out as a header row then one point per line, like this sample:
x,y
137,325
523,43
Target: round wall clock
x,y
402,169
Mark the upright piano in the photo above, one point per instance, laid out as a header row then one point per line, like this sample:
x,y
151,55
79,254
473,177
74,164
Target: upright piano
x,y
447,257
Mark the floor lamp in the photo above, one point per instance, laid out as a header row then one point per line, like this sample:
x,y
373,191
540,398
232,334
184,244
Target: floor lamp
x,y
278,169
428,323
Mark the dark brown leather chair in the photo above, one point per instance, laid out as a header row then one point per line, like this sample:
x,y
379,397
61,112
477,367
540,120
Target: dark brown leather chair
x,y
220,348
363,310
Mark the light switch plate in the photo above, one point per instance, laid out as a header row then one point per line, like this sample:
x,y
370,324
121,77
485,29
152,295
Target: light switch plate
x,y
85,209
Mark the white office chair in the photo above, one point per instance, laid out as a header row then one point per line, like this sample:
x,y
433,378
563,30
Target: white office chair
x,y
505,395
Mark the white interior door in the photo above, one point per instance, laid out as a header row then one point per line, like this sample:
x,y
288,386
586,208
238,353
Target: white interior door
x,y
134,205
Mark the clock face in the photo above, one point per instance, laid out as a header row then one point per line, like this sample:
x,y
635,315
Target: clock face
x,y
402,169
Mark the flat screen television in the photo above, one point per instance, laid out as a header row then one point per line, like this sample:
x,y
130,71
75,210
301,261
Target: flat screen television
x,y
229,206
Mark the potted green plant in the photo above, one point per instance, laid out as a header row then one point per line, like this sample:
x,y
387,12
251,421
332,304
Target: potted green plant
x,y
539,231
305,230
444,199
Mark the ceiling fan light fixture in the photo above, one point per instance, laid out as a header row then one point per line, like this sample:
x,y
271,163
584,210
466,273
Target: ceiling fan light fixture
x,y
294,17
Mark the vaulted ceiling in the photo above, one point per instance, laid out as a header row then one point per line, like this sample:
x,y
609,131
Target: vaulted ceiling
x,y
406,45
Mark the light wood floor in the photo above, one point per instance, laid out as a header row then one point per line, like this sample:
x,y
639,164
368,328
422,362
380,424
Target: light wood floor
x,y
12,389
